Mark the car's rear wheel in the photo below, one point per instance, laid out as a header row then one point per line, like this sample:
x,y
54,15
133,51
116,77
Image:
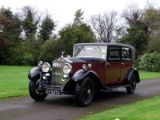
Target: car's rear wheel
x,y
35,93
84,92
132,84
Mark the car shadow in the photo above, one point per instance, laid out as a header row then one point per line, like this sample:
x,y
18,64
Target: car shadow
x,y
118,97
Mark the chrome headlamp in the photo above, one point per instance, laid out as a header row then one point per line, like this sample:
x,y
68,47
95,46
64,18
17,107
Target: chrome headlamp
x,y
45,67
67,68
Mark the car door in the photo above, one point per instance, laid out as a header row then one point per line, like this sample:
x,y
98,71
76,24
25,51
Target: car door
x,y
126,61
113,65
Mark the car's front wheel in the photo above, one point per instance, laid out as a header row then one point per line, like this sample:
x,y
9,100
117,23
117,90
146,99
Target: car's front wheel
x,y
132,84
35,93
84,92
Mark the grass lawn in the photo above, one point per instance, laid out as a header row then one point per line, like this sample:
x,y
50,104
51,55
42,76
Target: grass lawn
x,y
13,81
149,75
143,110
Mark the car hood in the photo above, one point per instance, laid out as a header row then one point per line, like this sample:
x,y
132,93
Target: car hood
x,y
86,59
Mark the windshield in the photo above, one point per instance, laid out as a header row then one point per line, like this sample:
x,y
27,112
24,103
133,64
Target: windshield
x,y
90,51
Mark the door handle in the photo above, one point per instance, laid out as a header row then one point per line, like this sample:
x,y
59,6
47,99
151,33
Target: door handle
x,y
108,64
122,64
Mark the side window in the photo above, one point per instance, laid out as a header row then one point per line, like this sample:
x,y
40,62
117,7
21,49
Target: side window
x,y
126,54
113,53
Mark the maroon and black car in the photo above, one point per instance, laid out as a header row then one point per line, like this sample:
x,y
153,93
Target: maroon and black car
x,y
93,67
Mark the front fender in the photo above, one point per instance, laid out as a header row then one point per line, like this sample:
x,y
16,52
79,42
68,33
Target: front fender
x,y
34,73
81,74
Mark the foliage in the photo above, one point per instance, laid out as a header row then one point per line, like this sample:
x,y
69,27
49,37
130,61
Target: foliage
x,y
9,35
150,62
78,32
32,49
25,38
50,50
46,28
30,21
153,20
137,38
154,43
138,29
152,16
11,25
78,17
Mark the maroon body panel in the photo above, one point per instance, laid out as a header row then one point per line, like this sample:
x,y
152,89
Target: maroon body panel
x,y
97,67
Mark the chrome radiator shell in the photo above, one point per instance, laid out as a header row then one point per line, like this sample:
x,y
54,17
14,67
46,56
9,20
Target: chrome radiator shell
x,y
57,72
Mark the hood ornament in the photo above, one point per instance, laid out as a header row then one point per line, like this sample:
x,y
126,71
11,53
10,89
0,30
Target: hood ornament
x,y
62,54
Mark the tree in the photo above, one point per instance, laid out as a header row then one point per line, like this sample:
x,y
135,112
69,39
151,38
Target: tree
x,y
104,25
10,25
138,29
153,19
30,21
9,34
75,34
78,17
47,27
78,32
152,15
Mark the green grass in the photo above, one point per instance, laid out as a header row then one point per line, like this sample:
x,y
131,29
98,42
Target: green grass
x,y
143,110
13,81
149,75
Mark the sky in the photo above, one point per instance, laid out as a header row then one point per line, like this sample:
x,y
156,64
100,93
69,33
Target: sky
x,y
62,11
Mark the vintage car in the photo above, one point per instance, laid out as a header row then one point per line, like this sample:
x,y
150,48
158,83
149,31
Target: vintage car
x,y
93,67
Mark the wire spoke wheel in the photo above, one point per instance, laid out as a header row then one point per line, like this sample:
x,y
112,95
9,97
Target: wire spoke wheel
x,y
35,93
84,92
132,84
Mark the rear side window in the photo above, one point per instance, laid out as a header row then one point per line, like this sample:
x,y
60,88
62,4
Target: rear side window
x,y
113,53
126,54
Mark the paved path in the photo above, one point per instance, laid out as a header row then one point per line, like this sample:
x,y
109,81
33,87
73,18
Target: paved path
x,y
64,107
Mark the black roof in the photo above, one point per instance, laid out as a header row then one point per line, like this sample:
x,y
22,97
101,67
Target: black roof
x,y
106,44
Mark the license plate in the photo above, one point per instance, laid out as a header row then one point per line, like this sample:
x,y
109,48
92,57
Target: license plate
x,y
53,92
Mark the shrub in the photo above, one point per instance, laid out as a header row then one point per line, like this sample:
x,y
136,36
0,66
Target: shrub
x,y
150,62
28,59
50,50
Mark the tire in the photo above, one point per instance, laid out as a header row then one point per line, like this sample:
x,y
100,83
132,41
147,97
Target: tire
x,y
84,92
132,84
34,92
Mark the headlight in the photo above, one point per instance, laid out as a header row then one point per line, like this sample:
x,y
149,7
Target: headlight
x,y
45,67
67,68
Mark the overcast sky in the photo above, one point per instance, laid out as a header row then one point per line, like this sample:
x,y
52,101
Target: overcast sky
x,y
63,11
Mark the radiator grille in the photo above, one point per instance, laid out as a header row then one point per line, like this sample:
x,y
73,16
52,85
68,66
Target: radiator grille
x,y
57,72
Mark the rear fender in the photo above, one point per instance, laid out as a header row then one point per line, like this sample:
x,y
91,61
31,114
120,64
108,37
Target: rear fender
x,y
34,73
135,71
